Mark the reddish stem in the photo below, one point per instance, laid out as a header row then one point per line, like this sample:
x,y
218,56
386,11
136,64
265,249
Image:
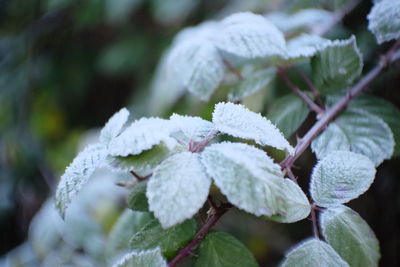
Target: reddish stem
x,y
211,221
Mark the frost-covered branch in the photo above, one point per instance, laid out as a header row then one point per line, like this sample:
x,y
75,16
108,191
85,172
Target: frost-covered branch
x,y
332,112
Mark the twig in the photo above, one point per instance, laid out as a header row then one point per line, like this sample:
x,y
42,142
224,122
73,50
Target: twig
x,y
233,69
312,87
211,221
331,113
314,107
140,178
314,221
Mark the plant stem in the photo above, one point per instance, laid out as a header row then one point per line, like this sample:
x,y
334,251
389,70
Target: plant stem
x,y
233,69
314,107
314,221
210,222
312,87
331,113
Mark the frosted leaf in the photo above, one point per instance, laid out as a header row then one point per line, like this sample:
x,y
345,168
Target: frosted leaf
x,y
306,45
337,65
384,20
256,81
313,253
142,135
249,35
340,177
143,163
294,205
350,236
114,126
246,176
359,132
169,240
306,18
77,174
385,110
207,31
145,258
194,128
332,139
238,121
178,188
198,65
220,249
288,113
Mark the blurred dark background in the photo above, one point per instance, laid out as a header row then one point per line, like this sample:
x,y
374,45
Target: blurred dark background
x,y
67,65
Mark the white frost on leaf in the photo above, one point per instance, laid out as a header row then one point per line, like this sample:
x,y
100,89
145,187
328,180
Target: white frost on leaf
x,y
293,206
357,131
142,135
313,253
246,176
238,121
337,65
253,83
384,20
194,128
114,126
340,177
144,258
306,45
77,174
178,188
306,18
350,236
197,64
249,35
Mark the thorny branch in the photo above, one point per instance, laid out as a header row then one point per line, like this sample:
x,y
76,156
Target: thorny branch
x,y
287,164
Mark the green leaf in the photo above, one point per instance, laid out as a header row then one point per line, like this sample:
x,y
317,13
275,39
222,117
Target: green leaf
x,y
306,45
337,65
293,206
193,128
313,253
169,240
384,20
246,176
350,236
178,188
220,249
384,110
253,83
288,113
197,64
250,36
145,258
143,163
238,121
142,135
77,174
137,199
303,19
128,223
114,126
340,177
357,131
